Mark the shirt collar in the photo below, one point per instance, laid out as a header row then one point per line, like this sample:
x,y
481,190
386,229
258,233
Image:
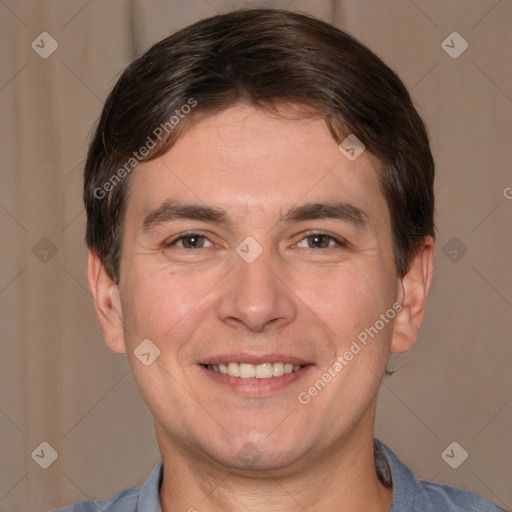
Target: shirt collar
x,y
405,484
149,497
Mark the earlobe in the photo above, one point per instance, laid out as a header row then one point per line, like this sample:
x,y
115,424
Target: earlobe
x,y
415,286
107,302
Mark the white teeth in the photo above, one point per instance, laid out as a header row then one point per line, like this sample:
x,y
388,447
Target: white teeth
x,y
247,371
234,369
278,369
264,371
251,371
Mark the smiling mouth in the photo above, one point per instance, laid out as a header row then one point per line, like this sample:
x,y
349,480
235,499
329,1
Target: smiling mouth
x,y
251,371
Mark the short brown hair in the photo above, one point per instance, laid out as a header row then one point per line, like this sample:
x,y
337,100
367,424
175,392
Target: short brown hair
x,y
267,58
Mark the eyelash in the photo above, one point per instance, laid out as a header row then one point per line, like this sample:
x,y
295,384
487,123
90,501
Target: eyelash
x,y
188,234
340,242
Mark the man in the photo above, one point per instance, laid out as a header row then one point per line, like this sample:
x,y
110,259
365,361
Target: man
x,y
259,197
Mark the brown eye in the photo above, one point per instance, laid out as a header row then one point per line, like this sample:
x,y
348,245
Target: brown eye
x,y
320,241
190,241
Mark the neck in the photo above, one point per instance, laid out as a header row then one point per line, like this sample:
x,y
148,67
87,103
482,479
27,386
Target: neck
x,y
341,478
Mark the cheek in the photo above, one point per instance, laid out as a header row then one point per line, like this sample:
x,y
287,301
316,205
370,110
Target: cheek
x,y
164,306
349,300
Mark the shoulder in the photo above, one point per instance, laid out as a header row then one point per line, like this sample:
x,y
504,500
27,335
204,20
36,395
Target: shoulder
x,y
434,497
144,498
413,495
124,501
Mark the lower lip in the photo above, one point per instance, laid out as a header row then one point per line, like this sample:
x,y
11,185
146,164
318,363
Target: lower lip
x,y
254,386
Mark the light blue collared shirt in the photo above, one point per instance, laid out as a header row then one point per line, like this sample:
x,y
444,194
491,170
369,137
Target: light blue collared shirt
x,y
409,494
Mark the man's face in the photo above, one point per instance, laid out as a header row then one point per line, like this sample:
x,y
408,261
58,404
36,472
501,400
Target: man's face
x,y
324,275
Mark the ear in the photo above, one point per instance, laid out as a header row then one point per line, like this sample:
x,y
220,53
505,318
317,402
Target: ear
x,y
108,303
414,287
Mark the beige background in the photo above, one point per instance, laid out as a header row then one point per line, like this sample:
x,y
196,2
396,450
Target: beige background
x,y
60,384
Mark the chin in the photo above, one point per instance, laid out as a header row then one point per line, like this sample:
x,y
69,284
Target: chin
x,y
248,454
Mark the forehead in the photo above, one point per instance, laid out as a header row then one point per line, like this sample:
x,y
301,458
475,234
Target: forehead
x,y
252,163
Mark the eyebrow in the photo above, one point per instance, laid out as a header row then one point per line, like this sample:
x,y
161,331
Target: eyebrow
x,y
169,211
338,210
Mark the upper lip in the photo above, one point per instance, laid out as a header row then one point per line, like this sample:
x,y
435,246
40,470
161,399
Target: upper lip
x,y
254,359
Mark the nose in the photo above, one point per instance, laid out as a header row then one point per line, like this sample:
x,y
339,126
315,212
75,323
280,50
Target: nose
x,y
256,296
